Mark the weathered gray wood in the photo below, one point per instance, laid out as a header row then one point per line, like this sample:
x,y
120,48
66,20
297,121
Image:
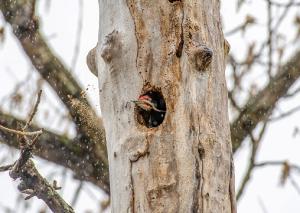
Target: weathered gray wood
x,y
177,48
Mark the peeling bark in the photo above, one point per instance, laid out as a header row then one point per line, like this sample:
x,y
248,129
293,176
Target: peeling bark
x,y
175,48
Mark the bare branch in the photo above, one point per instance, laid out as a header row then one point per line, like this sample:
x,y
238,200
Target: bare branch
x,y
5,168
77,193
278,163
270,39
291,167
293,93
32,114
284,13
279,4
262,205
25,25
251,165
295,184
259,107
249,20
285,114
60,150
32,183
21,132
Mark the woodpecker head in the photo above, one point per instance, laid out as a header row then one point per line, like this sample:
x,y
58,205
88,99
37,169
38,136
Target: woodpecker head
x,y
145,102
151,109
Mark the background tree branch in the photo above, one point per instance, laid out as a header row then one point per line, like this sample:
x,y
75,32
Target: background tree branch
x,y
260,107
25,25
60,150
20,15
31,182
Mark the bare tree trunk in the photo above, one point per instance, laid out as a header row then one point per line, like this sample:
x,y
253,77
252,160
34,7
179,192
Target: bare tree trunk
x,y
174,51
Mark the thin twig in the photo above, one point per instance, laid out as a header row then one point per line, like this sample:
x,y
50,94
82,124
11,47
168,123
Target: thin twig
x,y
262,205
278,4
248,21
77,193
55,186
294,184
21,132
251,166
35,108
272,31
292,94
270,40
285,114
233,101
283,15
5,168
277,163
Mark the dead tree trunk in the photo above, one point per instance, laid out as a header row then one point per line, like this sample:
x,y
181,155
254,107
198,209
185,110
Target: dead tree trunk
x,y
175,52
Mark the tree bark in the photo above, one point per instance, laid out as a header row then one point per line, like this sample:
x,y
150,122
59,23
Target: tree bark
x,y
175,49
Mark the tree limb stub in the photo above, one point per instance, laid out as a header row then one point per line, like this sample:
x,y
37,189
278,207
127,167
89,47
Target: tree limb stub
x,y
91,61
201,56
33,184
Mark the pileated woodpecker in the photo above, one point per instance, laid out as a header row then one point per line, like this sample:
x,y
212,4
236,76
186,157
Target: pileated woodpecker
x,y
152,108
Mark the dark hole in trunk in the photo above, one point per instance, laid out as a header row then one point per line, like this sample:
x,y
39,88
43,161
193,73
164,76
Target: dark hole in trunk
x,y
154,116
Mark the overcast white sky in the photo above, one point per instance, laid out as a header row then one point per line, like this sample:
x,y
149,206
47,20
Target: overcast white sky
x,y
59,24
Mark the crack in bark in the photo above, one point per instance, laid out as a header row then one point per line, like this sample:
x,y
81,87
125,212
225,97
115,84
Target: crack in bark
x,y
172,1
202,178
195,206
199,178
131,11
181,43
132,200
133,158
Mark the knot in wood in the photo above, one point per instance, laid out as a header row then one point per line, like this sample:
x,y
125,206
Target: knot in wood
x,y
202,56
111,46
